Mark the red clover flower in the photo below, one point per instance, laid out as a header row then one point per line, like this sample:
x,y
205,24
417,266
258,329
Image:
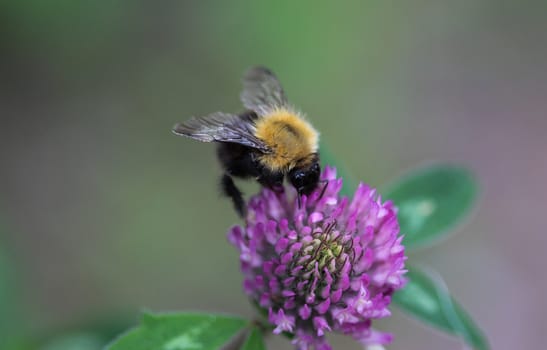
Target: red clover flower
x,y
329,264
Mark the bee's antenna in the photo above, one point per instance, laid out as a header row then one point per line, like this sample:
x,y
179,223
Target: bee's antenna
x,y
299,201
326,182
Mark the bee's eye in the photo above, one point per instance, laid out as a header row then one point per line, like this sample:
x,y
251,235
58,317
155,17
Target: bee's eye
x,y
306,180
298,178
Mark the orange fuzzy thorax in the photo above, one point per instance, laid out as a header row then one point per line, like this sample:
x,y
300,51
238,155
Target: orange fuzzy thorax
x,y
292,139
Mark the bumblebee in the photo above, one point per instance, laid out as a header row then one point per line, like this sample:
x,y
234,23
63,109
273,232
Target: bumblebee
x,y
268,142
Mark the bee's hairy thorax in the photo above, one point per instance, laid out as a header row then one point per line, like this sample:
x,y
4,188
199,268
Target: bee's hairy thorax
x,y
292,139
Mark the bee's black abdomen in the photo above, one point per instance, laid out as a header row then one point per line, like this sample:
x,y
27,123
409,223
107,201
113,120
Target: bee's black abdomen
x,y
237,160
229,189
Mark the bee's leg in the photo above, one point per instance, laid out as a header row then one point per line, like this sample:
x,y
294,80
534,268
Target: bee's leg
x,y
271,180
230,189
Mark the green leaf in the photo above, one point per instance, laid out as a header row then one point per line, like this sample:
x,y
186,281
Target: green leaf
x,y
431,201
254,341
180,331
426,297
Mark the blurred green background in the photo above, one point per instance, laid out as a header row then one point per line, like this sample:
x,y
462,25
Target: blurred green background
x,y
103,211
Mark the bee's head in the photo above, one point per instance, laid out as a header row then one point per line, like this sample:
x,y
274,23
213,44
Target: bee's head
x,y
305,179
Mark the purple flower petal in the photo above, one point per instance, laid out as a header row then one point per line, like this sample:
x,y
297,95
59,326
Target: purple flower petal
x,y
304,312
323,307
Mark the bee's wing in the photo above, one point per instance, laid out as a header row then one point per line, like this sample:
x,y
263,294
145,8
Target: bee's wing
x,y
262,92
222,127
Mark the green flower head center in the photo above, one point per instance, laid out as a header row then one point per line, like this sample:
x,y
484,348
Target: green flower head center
x,y
327,250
